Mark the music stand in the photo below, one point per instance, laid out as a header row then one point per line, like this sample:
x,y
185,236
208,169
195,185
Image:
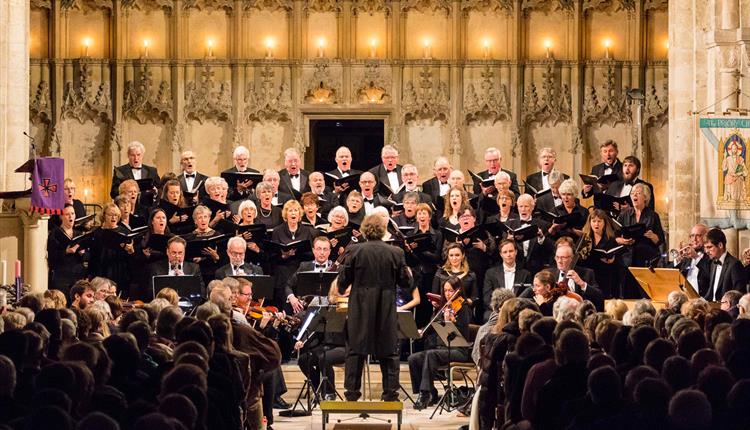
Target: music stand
x,y
307,385
658,283
407,329
312,283
262,285
449,334
328,320
188,287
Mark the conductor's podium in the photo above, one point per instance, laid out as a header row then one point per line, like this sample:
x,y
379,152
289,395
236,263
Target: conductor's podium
x,y
363,409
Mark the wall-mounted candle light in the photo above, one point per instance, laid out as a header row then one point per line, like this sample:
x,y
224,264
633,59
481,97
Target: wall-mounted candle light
x,y
210,46
373,47
486,48
547,47
86,44
607,45
321,47
270,43
146,43
427,53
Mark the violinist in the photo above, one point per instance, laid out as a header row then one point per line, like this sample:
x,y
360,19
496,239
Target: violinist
x,y
236,247
545,291
106,261
65,258
248,216
423,365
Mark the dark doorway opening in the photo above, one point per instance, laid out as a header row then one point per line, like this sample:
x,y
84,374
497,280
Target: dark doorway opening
x,y
363,137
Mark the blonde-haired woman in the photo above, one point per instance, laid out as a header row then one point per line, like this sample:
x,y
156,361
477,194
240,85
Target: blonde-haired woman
x,y
109,258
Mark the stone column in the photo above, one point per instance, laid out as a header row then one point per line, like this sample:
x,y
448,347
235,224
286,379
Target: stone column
x,y
14,91
34,262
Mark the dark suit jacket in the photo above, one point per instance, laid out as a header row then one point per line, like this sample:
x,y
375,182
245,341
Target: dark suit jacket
x,y
539,255
335,172
285,182
592,293
546,202
233,194
423,197
598,170
122,173
535,180
291,283
732,277
704,273
381,175
199,177
161,268
432,187
615,188
226,270
495,278
484,174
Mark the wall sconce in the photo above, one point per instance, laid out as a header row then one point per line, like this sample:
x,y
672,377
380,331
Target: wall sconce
x,y
86,44
270,43
146,42
427,52
486,48
373,47
321,47
547,46
210,46
607,45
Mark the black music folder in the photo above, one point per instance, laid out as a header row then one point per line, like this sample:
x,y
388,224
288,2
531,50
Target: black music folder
x,y
332,181
301,246
233,178
478,180
113,238
196,245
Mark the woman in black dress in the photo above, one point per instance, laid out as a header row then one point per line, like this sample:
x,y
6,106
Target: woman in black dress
x,y
249,216
456,265
428,261
574,230
65,259
607,270
112,262
268,214
171,202
455,199
210,258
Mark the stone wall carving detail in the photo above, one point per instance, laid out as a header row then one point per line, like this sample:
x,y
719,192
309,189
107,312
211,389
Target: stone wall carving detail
x,y
178,137
323,87
516,141
41,4
576,140
485,6
86,5
166,5
86,101
39,103
488,103
656,109
426,6
606,5
211,5
271,5
547,5
456,148
605,105
373,86
427,100
552,106
267,102
144,102
208,100
655,5
322,6
371,6
115,138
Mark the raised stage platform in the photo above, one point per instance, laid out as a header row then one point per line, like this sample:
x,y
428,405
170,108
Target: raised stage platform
x,y
412,420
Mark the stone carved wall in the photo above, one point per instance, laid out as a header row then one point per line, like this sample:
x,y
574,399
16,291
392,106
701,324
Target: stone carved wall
x,y
483,80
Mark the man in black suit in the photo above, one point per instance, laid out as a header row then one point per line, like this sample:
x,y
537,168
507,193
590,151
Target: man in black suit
x,y
546,160
493,161
272,177
237,266
631,168
610,164
321,263
693,262
175,264
190,179
242,190
726,271
438,185
326,199
370,199
504,275
342,170
410,179
580,280
292,179
389,171
550,200
134,169
534,254
374,270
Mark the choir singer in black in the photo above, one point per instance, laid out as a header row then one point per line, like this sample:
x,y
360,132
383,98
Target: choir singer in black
x,y
373,270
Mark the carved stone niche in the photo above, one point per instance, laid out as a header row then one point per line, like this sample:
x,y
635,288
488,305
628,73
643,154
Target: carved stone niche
x,y
487,6
41,4
488,103
426,6
144,102
86,5
608,5
205,99
268,5
372,86
548,105
607,104
649,5
546,5
209,5
267,102
324,86
39,104
426,101
86,100
656,109
166,5
322,6
371,7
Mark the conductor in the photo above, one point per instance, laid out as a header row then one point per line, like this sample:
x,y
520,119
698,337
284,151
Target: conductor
x,y
373,269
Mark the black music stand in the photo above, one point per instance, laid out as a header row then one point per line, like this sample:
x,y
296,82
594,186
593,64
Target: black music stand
x,y
262,285
312,283
307,385
188,288
449,334
407,329
328,320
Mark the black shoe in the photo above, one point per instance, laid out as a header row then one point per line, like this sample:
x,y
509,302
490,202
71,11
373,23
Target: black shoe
x,y
279,403
422,401
351,396
434,398
389,397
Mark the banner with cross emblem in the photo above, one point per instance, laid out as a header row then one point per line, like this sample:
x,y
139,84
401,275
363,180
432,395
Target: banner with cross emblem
x,y
47,178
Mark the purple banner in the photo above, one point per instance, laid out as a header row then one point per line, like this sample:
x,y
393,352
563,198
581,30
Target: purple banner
x,y
47,195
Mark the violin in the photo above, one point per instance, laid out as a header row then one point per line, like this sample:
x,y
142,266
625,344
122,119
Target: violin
x,y
256,313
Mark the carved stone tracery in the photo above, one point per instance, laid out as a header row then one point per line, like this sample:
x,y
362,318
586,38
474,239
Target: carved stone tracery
x,y
429,101
322,6
208,100
487,6
371,6
268,102
41,4
373,85
86,5
488,104
165,5
426,6
39,103
553,106
609,5
269,5
86,101
143,102
606,105
323,87
210,5
547,5
656,109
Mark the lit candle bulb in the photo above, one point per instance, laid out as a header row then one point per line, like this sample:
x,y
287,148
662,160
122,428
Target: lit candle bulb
x,y
427,49
547,46
373,48
210,44
321,47
146,42
607,44
486,48
86,45
269,47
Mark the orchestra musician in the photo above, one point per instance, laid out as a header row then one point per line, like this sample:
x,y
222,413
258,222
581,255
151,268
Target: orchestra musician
x,y
424,364
493,161
243,189
190,179
237,266
134,169
693,262
546,161
508,274
545,292
373,270
389,171
293,180
268,214
65,259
